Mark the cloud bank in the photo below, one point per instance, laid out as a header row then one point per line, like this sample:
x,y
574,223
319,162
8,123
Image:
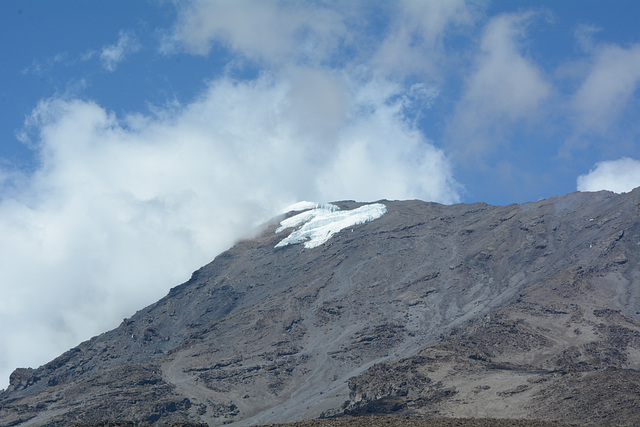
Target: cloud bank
x,y
121,208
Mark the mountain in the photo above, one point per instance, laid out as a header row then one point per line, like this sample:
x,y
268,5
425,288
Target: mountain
x,y
525,311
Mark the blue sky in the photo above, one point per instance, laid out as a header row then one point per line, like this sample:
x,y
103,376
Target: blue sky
x,y
141,138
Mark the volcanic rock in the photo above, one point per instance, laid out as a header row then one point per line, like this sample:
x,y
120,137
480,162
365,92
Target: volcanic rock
x,y
526,311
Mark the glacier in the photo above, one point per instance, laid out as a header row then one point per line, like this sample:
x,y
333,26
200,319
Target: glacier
x,y
303,206
321,221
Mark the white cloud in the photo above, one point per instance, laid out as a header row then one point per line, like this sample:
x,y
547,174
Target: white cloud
x,y
380,156
120,209
505,87
619,176
112,55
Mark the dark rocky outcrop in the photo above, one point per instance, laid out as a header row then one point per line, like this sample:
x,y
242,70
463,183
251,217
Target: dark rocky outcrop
x,y
525,311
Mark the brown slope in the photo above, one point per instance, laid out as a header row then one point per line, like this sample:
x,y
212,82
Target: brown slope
x,y
566,349
267,334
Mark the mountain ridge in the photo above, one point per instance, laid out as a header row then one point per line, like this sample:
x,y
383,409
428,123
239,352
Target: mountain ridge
x,y
404,314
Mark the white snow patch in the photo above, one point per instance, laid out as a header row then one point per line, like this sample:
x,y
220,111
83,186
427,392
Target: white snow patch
x,y
317,225
303,206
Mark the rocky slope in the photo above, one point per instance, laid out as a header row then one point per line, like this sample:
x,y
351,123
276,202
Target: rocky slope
x,y
522,311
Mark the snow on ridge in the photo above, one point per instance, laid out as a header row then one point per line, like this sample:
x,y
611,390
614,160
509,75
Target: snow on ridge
x,y
303,206
317,225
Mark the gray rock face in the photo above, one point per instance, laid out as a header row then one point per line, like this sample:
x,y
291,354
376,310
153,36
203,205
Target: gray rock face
x,y
465,310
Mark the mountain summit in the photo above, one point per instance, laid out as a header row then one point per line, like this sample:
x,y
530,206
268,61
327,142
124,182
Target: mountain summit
x,y
400,307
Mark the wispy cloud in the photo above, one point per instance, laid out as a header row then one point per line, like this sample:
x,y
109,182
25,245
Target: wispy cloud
x,y
415,42
40,68
504,88
584,34
112,55
265,31
612,79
